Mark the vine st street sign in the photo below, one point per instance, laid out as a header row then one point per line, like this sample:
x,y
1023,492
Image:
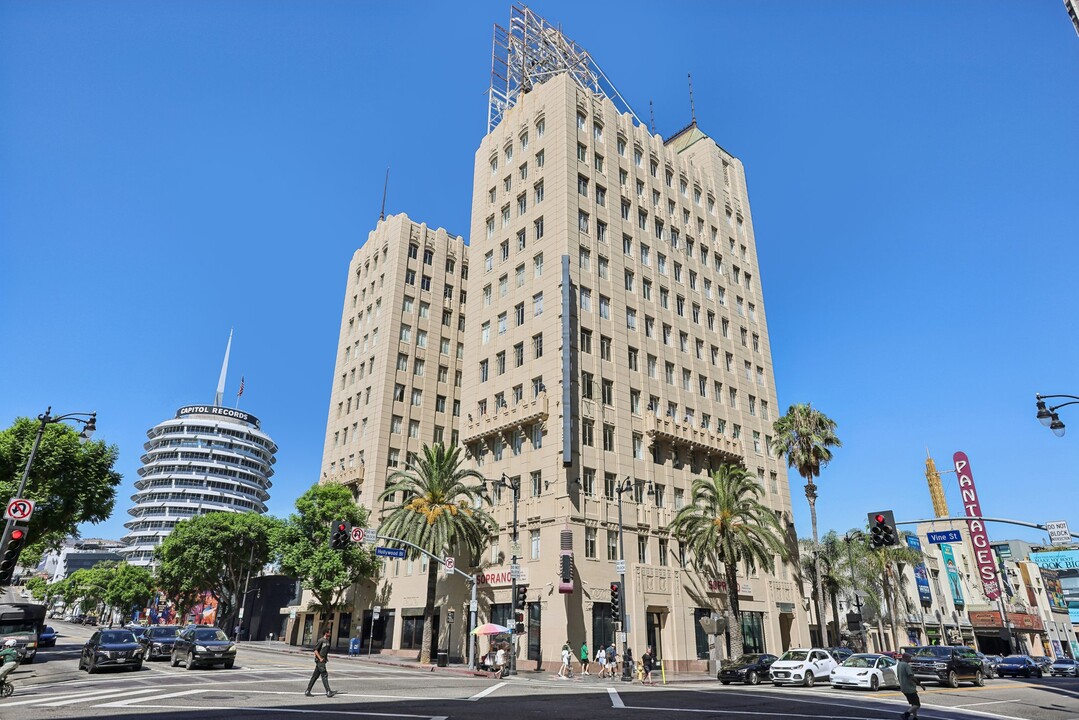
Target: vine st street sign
x,y
948,536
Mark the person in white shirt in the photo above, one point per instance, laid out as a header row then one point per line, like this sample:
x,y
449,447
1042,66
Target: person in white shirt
x,y
563,672
601,660
500,661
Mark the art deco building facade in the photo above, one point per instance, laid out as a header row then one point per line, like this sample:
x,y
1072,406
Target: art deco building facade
x,y
615,330
397,377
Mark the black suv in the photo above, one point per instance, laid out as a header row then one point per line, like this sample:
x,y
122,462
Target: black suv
x,y
947,665
750,669
202,645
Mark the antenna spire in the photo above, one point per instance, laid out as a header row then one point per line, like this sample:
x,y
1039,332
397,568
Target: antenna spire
x,y
385,187
219,397
652,116
692,110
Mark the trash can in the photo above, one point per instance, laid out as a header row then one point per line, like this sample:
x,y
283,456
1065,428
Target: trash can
x,y
443,658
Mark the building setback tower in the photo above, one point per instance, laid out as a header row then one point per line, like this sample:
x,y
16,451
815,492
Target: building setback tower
x,y
397,378
208,458
617,332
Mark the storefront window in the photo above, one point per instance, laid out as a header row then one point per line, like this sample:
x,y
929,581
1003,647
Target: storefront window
x,y
602,626
534,652
699,634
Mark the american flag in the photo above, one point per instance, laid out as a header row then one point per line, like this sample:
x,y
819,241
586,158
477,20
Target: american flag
x,y
240,392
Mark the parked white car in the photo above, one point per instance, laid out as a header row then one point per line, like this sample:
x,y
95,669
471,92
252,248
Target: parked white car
x,y
866,671
802,666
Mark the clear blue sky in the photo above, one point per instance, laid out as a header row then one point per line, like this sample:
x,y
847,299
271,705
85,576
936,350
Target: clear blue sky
x,y
169,171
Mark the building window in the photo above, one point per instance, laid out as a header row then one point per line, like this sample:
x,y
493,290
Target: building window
x,y
588,481
642,549
534,543
608,437
612,544
587,433
590,542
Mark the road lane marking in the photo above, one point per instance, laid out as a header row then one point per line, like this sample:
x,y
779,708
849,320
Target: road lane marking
x,y
132,701
616,700
322,710
484,693
989,702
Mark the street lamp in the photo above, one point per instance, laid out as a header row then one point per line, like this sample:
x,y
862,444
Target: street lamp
x,y
89,426
620,488
513,484
1048,417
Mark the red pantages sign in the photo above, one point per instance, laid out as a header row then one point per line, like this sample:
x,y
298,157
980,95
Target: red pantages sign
x,y
983,554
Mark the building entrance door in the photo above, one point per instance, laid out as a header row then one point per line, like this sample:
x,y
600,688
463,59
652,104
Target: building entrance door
x,y
655,621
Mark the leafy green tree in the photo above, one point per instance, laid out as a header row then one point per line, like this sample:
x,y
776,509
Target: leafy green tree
x,y
214,553
805,437
727,524
73,482
439,512
303,546
38,587
128,586
87,587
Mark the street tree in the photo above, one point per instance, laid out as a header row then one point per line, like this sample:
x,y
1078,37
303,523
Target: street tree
x,y
128,587
881,574
726,525
214,553
304,552
439,511
805,437
37,586
72,482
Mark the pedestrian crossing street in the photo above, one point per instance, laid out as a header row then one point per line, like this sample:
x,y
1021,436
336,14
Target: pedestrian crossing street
x,y
165,687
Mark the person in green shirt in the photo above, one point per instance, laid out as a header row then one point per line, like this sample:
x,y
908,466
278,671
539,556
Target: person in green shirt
x,y
908,685
584,659
9,656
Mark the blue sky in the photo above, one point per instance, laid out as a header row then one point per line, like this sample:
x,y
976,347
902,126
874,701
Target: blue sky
x,y
169,171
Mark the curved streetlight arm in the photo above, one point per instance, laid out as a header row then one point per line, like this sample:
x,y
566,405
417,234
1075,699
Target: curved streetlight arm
x,y
983,519
1039,396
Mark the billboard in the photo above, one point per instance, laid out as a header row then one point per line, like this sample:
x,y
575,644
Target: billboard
x,y
953,574
921,576
1054,590
1066,564
983,554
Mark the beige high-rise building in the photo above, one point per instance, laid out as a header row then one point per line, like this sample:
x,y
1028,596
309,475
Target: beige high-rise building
x,y
616,339
397,377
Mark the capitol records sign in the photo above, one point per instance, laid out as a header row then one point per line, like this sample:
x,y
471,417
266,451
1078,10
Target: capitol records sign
x,y
983,554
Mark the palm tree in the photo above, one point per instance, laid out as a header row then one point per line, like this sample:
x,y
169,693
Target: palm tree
x,y
883,579
438,512
725,525
835,571
805,437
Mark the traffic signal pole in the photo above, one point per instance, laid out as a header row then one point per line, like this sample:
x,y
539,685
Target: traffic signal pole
x,y
627,674
516,487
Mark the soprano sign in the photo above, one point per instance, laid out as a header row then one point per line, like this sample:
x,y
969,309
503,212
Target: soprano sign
x,y
983,554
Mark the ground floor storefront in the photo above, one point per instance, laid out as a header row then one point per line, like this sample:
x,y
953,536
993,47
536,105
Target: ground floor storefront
x,y
664,608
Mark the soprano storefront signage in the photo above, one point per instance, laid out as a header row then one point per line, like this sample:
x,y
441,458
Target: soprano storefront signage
x,y
983,554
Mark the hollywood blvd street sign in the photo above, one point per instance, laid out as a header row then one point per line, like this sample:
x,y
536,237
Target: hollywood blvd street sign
x,y
948,536
398,553
983,554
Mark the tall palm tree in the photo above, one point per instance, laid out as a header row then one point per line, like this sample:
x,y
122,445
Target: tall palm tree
x,y
725,525
835,573
805,437
439,512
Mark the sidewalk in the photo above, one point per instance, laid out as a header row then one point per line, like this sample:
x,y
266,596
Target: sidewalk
x,y
413,663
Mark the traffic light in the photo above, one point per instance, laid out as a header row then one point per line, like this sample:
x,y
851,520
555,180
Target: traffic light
x,y
340,535
616,600
13,545
520,606
882,529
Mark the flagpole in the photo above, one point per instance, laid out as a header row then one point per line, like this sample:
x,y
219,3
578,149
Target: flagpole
x,y
239,393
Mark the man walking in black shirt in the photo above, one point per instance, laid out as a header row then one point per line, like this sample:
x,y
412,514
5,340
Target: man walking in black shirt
x,y
322,651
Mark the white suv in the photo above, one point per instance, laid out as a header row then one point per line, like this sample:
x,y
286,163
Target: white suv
x,y
802,667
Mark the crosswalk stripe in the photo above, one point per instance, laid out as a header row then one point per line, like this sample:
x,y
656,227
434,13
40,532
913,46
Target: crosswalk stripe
x,y
52,701
155,698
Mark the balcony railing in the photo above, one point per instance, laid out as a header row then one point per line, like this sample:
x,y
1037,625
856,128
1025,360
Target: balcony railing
x,y
695,437
506,418
347,476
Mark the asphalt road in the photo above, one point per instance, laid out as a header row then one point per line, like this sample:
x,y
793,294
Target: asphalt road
x,y
268,682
